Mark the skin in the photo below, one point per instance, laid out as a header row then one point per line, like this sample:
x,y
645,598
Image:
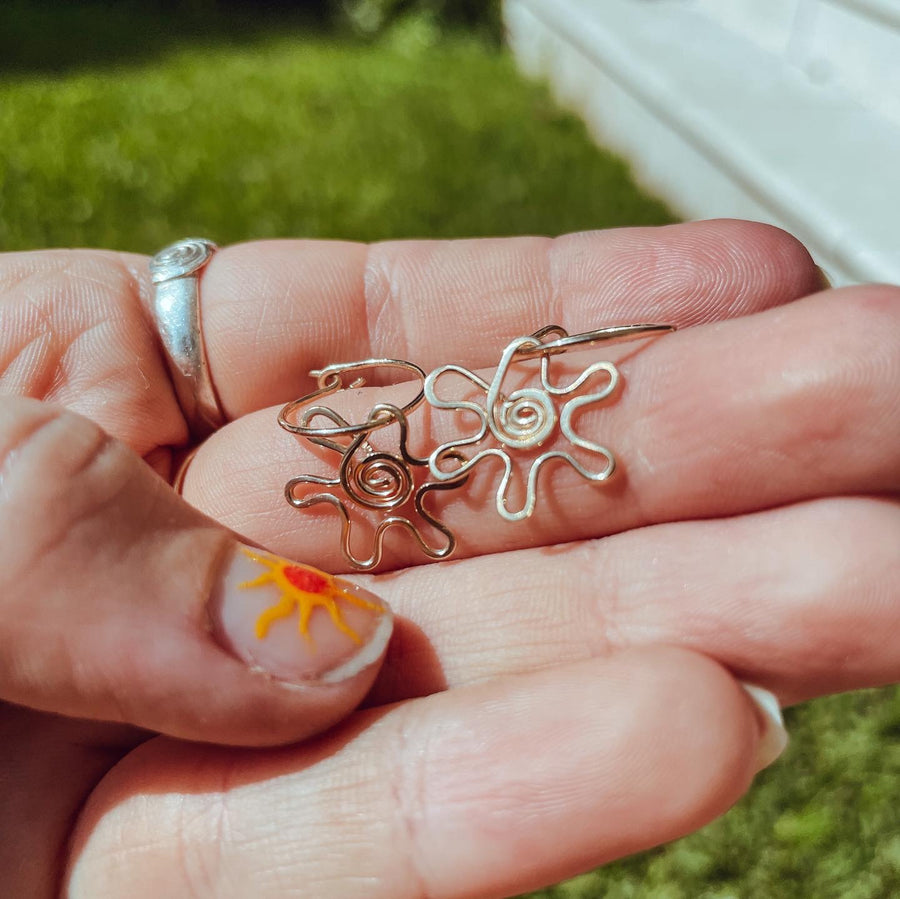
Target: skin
x,y
753,535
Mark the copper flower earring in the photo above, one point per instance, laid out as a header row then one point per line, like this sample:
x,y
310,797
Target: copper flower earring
x,y
394,484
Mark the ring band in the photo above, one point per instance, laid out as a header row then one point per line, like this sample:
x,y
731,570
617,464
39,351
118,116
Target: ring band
x,y
175,274
615,334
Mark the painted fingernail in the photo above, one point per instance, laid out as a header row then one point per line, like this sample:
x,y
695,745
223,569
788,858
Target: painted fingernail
x,y
773,735
295,622
824,280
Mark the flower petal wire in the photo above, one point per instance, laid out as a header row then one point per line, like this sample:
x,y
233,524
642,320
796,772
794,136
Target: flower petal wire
x,y
521,420
378,481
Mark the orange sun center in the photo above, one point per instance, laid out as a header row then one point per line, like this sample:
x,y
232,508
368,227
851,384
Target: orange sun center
x,y
305,579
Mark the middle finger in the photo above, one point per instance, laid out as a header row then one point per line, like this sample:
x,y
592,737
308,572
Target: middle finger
x,y
785,405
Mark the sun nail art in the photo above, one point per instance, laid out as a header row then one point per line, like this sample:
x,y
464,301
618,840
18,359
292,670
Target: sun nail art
x,y
302,589
295,622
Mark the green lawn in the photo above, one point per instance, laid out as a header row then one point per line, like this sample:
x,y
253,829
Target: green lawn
x,y
300,136
273,131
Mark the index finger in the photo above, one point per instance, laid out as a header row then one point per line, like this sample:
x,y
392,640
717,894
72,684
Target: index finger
x,y
76,327
274,310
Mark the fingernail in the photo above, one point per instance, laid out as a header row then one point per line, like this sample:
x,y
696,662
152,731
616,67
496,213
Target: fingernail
x,y
824,280
295,622
773,736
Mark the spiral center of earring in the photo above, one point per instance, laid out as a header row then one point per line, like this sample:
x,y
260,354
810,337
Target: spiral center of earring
x,y
524,419
381,481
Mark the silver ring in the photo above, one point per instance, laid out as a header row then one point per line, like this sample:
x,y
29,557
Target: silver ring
x,y
175,274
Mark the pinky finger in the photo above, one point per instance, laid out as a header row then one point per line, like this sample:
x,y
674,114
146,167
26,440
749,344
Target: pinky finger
x,y
484,791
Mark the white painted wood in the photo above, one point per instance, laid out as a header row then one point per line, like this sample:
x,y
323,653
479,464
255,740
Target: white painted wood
x,y
850,45
769,23
741,108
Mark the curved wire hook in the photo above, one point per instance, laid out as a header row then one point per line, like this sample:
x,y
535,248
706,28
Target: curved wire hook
x,y
566,341
330,380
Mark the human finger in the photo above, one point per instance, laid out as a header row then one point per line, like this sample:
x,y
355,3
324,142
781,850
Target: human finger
x,y
76,327
119,602
785,405
803,600
275,310
74,330
436,797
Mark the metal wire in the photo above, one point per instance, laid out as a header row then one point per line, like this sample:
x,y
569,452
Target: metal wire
x,y
514,421
380,481
523,420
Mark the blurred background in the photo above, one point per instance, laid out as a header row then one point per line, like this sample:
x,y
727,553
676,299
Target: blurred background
x,y
128,125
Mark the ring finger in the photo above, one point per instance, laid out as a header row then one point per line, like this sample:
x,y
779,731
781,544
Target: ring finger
x,y
802,600
785,405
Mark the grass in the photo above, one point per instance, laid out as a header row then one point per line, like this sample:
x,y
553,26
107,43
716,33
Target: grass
x,y
278,130
292,135
822,823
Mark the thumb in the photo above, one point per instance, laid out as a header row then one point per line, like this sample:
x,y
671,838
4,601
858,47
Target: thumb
x,y
120,602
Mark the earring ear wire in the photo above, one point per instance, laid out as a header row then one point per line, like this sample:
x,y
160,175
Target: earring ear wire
x,y
330,380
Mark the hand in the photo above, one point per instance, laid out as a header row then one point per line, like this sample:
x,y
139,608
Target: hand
x,y
542,677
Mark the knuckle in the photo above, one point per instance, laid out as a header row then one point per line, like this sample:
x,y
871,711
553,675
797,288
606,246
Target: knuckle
x,y
384,294
38,309
184,847
56,470
408,780
21,419
37,439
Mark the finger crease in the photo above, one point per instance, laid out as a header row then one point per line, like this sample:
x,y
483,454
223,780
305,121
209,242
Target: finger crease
x,y
407,784
386,324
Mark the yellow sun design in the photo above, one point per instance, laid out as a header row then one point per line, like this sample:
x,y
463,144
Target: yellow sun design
x,y
303,588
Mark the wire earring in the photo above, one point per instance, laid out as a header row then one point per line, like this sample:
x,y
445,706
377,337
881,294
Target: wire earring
x,y
392,485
